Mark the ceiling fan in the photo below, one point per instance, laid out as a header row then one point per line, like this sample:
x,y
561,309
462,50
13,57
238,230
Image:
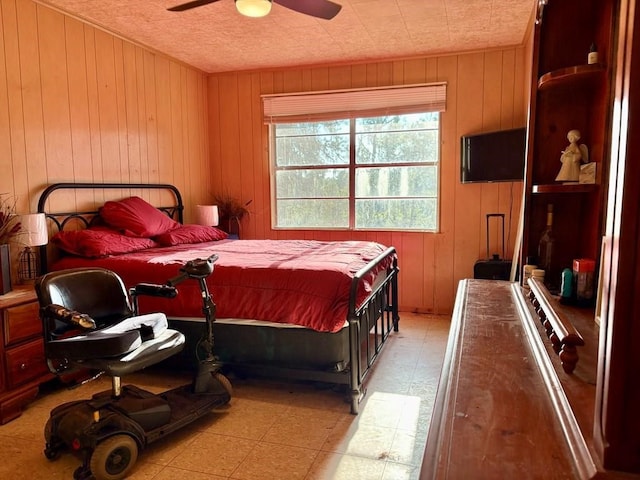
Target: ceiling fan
x,y
324,9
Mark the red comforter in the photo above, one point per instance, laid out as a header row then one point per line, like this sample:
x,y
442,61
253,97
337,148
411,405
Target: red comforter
x,y
302,282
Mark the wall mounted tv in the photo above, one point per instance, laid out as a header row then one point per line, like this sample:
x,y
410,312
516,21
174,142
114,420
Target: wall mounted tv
x,y
493,156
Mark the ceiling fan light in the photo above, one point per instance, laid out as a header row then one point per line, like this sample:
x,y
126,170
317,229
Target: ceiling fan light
x,y
253,8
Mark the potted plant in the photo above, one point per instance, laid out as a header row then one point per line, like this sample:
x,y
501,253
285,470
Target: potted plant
x,y
231,211
9,226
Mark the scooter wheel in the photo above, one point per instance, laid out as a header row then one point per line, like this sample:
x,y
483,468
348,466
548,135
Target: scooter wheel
x,y
225,382
51,453
114,457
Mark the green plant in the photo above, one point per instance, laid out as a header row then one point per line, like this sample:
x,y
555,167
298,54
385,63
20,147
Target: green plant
x,y
9,222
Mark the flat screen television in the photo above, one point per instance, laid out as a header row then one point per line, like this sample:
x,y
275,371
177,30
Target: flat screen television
x,y
493,156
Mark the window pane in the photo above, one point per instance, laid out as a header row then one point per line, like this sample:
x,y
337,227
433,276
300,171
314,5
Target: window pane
x,y
326,213
312,183
397,182
396,139
312,128
397,214
312,143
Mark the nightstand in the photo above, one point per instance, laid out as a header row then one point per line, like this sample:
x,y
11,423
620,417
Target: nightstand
x,y
22,364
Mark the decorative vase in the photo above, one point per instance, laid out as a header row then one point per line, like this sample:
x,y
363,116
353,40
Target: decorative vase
x,y
5,269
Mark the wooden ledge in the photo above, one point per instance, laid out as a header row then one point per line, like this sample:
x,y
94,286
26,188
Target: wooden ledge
x,y
562,333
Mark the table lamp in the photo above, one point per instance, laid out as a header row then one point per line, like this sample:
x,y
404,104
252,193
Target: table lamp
x,y
33,233
207,215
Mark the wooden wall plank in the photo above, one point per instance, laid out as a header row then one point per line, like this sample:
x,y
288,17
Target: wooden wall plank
x,y
468,220
79,108
29,90
55,99
445,284
12,144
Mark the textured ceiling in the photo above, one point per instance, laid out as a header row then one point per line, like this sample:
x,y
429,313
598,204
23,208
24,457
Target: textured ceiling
x,y
216,38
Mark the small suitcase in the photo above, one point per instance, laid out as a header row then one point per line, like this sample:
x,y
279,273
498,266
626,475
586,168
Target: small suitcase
x,y
493,267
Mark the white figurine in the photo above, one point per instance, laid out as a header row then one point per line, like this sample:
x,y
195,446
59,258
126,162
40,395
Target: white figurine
x,y
572,157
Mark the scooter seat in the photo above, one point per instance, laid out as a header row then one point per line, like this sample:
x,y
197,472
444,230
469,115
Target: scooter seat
x,y
113,341
148,353
100,344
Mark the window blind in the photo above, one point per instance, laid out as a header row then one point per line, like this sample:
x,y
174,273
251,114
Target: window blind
x,y
360,102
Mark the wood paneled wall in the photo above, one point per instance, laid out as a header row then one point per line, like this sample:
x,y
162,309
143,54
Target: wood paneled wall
x,y
485,91
79,104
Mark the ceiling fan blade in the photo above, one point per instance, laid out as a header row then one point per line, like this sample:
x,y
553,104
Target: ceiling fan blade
x,y
316,8
189,5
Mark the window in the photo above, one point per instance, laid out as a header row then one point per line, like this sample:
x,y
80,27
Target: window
x,y
360,160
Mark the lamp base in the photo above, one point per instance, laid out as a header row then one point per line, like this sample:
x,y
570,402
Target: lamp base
x,y
27,265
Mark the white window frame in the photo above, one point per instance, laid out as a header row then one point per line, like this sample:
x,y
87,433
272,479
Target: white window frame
x,y
351,104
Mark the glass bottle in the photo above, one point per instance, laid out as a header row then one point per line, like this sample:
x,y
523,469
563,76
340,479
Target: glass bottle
x,y
546,248
593,54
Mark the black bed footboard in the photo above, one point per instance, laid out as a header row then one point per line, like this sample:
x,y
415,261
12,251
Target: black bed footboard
x,y
371,321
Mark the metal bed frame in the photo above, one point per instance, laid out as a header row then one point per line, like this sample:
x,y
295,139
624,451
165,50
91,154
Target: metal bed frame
x,y
369,323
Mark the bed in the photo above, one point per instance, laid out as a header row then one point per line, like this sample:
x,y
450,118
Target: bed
x,y
298,309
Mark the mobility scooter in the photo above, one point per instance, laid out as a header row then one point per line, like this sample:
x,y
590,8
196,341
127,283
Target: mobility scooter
x,y
89,322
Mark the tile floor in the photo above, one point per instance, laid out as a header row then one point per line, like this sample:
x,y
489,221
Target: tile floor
x,y
274,430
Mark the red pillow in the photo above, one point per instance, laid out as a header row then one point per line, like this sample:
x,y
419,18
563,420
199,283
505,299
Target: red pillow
x,y
99,243
190,234
135,217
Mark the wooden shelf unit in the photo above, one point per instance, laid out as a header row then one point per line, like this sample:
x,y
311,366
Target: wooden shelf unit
x,y
598,221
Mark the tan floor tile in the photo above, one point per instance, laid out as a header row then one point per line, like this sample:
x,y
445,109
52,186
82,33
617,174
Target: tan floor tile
x,y
333,466
301,431
213,454
24,458
360,439
273,462
382,409
243,422
144,470
163,451
407,447
172,473
29,426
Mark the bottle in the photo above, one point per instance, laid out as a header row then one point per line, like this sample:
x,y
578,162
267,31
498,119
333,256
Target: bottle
x,y
546,247
593,54
527,271
566,287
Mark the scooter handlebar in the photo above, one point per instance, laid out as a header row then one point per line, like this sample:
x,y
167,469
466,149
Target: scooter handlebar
x,y
181,277
153,290
198,268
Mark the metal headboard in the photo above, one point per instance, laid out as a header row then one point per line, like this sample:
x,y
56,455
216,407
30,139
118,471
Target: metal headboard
x,y
86,218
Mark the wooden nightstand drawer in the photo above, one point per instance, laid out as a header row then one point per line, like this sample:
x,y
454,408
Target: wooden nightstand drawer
x,y
21,323
25,362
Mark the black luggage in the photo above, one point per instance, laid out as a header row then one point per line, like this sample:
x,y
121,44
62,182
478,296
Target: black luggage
x,y
494,267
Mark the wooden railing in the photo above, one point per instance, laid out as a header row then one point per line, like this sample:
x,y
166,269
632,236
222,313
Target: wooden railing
x,y
562,333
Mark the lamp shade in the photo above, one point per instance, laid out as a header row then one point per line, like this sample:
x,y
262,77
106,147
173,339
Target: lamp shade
x,y
33,230
253,8
207,215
